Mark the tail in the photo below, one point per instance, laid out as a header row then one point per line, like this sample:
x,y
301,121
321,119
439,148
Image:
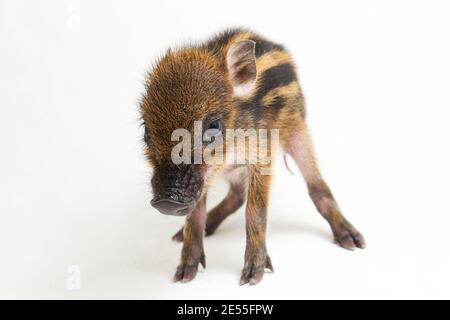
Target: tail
x,y
286,164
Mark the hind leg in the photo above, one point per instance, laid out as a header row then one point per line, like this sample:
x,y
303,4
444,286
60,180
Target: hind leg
x,y
230,204
300,148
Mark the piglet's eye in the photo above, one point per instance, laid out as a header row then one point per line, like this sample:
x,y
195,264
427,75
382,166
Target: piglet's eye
x,y
216,124
215,128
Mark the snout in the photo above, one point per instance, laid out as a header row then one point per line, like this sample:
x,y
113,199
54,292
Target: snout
x,y
171,207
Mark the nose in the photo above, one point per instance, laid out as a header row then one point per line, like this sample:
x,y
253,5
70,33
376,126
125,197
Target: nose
x,y
171,207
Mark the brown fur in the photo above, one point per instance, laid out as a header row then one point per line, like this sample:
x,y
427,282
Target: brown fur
x,y
248,82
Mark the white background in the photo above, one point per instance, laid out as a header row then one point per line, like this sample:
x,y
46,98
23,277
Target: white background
x,y
74,186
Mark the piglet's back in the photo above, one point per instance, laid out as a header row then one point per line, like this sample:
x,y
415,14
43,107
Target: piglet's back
x,y
276,101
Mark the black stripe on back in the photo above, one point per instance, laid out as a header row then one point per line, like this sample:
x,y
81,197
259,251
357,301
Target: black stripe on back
x,y
277,103
278,76
275,77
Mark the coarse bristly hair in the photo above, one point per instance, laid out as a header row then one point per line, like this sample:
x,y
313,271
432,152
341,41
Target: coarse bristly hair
x,y
240,80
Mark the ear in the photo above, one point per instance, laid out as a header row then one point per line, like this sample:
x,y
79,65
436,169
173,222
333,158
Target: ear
x,y
241,65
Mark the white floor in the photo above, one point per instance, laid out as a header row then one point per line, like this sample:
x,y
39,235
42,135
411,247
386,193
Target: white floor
x,y
75,187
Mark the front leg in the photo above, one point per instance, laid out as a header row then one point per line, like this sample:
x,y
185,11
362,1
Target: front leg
x,y
192,253
256,257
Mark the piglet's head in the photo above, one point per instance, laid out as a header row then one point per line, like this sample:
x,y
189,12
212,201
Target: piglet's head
x,y
189,99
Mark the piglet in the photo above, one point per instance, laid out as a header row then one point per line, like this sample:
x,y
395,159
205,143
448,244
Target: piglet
x,y
207,94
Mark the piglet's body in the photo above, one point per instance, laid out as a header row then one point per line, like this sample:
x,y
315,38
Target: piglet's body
x,y
236,80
